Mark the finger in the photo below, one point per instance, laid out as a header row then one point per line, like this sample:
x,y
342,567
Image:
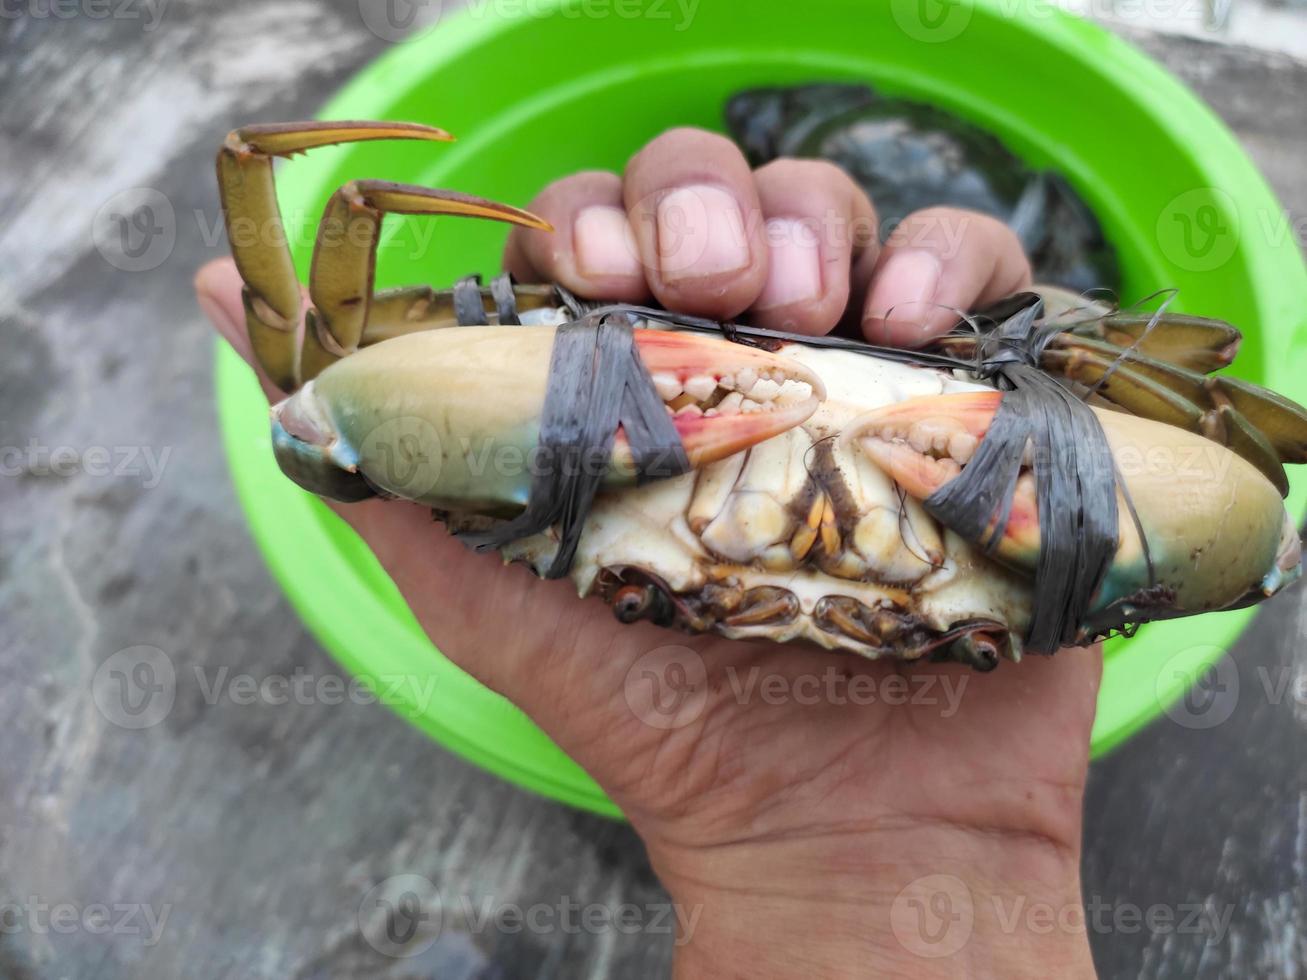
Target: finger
x,y
937,262
817,219
218,293
592,252
694,210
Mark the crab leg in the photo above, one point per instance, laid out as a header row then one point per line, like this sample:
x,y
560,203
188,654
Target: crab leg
x,y
344,258
1193,342
1158,375
1269,430
256,232
408,309
1214,530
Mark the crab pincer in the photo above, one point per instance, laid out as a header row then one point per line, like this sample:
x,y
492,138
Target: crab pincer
x,y
1199,527
468,402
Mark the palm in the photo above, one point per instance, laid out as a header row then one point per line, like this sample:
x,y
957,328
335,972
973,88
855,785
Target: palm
x,y
712,740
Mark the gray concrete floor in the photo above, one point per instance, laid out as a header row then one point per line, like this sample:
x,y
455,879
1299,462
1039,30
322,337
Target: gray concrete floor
x,y
1279,25
243,840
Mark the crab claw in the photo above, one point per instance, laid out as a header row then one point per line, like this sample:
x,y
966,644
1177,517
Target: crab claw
x,y
723,397
1217,533
451,418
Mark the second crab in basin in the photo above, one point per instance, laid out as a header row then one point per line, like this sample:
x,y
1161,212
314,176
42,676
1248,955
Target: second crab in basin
x,y
952,503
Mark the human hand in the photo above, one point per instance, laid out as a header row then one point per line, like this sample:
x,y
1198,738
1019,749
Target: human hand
x,y
802,824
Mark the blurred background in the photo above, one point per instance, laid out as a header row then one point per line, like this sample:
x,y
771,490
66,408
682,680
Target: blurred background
x,y
259,823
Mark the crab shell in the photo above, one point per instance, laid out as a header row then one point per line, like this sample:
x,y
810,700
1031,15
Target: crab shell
x,y
801,518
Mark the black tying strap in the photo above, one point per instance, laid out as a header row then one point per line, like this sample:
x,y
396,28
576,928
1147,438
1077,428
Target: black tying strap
x,y
501,288
596,382
470,311
468,308
1075,479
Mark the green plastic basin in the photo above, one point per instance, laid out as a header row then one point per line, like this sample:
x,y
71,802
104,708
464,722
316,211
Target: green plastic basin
x,y
563,86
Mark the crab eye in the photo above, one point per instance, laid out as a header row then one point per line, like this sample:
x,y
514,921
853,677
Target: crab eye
x,y
632,601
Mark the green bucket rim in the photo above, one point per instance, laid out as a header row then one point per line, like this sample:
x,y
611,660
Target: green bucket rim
x,y
356,613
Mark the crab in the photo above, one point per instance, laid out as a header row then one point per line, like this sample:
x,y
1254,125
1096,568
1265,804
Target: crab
x,y
798,507
908,155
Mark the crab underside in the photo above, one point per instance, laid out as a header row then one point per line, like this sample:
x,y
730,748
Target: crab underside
x,y
800,506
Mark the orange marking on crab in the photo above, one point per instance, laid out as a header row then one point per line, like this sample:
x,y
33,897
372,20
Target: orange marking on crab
x,y
1213,530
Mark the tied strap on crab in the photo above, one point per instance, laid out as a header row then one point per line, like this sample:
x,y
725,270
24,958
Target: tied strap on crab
x,y
1075,480
596,382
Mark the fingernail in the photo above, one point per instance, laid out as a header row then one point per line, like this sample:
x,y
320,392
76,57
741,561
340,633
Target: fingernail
x,y
793,264
700,233
603,243
909,280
